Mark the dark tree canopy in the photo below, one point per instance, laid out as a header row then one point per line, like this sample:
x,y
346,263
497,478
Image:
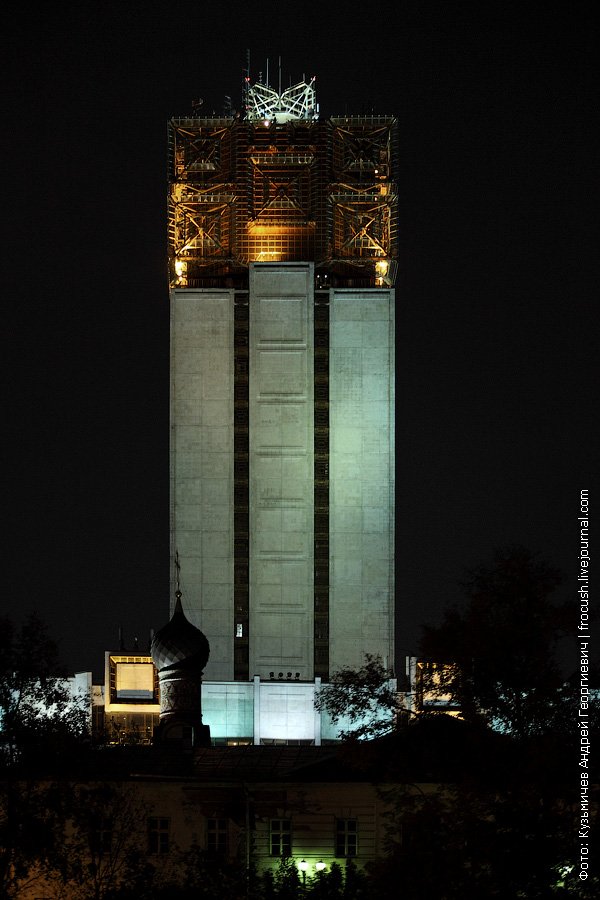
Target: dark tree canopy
x,y
41,733
470,842
498,650
39,718
363,698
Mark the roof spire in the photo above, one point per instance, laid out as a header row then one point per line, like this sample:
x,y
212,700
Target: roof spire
x,y
178,575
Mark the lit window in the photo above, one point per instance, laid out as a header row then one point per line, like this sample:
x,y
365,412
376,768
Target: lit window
x,y
239,630
281,837
216,837
158,836
346,837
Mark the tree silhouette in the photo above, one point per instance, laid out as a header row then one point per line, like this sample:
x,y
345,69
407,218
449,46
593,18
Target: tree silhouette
x,y
41,731
365,697
40,720
497,653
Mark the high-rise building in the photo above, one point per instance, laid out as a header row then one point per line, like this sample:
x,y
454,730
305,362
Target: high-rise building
x,y
283,246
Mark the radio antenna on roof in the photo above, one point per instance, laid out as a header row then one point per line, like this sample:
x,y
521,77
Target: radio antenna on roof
x,y
246,83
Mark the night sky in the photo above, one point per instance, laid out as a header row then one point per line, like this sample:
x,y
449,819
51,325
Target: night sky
x,y
496,332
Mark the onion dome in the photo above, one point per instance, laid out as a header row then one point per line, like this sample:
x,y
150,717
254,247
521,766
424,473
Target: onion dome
x,y
179,644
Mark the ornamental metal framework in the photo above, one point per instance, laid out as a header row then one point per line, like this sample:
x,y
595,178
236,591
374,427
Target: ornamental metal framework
x,y
299,101
278,184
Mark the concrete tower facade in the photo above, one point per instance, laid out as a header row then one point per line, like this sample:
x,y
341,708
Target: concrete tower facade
x,y
283,245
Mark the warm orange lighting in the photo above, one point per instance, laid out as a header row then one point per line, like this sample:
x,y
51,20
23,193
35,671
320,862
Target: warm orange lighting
x,y
266,230
270,255
275,229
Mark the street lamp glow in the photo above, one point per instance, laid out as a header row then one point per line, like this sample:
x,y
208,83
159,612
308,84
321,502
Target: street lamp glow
x,y
303,865
319,866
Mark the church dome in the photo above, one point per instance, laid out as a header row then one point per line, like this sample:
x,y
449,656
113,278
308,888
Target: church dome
x,y
179,644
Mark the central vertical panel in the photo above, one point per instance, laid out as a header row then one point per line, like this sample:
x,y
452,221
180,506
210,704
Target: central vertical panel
x,y
281,506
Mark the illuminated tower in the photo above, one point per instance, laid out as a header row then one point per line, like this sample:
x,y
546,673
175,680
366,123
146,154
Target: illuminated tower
x,y
283,245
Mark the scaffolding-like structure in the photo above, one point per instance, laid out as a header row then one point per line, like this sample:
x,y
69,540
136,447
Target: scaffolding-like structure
x,y
253,188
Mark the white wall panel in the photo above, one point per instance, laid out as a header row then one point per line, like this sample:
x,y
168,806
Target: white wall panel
x,y
202,465
281,469
361,472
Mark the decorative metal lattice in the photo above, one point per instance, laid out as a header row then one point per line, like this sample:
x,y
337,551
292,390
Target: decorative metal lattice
x,y
282,189
297,102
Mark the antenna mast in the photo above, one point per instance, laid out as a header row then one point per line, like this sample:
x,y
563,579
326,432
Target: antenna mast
x,y
178,571
246,82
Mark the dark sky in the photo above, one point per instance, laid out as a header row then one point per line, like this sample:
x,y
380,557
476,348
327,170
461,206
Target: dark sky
x,y
496,331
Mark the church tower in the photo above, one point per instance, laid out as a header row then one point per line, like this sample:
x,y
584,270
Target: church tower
x,y
282,252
